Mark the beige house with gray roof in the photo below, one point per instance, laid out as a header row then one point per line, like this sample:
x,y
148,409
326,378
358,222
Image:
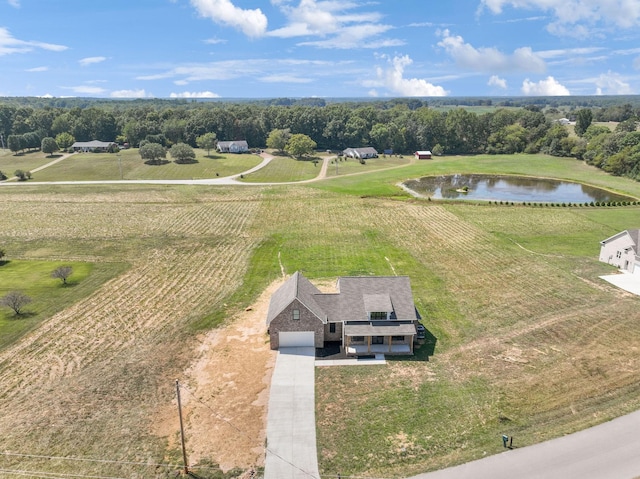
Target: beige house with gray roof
x,y
366,315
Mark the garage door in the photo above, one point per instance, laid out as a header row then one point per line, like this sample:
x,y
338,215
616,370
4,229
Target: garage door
x,y
636,268
295,339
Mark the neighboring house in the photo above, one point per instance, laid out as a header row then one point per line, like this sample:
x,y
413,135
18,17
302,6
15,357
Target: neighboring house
x,y
423,155
563,121
238,146
622,251
367,315
94,145
361,153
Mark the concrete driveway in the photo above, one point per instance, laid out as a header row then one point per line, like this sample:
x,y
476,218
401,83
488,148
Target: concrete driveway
x,y
628,282
291,418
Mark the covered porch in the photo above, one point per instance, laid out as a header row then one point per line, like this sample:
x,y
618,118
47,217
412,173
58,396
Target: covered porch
x,y
378,337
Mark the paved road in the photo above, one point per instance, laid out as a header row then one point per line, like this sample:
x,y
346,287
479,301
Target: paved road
x,y
291,418
610,450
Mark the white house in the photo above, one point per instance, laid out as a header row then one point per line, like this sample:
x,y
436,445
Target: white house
x,y
622,251
94,145
361,153
238,146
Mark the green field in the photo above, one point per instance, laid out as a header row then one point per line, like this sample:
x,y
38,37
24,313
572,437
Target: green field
x,y
526,339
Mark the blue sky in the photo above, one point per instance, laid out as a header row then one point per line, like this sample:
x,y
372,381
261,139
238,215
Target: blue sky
x,y
316,48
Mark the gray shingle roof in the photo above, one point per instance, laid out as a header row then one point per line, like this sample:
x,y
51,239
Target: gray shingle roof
x,y
297,287
357,295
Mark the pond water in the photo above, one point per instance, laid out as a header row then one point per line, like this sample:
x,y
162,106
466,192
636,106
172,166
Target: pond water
x,y
509,188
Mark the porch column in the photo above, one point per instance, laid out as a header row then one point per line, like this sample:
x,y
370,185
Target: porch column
x,y
368,344
390,341
411,344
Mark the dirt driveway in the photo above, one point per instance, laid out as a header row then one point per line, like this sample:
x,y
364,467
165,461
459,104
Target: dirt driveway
x,y
226,392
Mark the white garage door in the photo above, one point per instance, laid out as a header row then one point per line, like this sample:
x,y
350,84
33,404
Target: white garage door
x,y
636,268
296,339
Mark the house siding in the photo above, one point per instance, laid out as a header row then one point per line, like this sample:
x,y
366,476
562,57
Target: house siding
x,y
337,336
307,322
613,252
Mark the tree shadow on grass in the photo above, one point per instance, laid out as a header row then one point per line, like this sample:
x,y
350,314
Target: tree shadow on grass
x,y
23,315
157,162
186,162
214,157
4,262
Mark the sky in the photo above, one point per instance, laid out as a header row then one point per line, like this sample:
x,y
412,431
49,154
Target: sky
x,y
318,48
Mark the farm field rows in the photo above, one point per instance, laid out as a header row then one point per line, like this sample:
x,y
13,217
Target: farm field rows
x,y
529,341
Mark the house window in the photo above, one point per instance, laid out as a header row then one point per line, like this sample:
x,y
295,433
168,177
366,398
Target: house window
x,y
619,254
332,327
296,314
357,339
377,340
397,338
373,315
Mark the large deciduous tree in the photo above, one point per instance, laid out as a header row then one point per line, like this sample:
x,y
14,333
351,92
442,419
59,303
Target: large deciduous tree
x,y
65,140
49,145
62,273
153,153
278,139
208,142
15,143
300,145
584,117
15,300
182,153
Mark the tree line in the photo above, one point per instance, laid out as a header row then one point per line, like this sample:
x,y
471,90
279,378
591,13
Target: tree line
x,y
401,125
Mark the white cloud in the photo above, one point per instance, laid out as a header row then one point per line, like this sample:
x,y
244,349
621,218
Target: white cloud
x,y
335,22
574,17
214,41
14,3
194,94
130,94
496,81
46,95
612,84
9,44
91,60
548,87
252,23
285,79
490,59
86,89
393,79
38,69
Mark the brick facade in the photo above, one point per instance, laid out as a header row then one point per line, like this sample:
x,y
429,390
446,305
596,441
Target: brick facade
x,y
307,322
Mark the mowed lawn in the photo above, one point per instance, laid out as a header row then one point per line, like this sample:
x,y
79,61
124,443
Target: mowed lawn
x,y
128,165
526,339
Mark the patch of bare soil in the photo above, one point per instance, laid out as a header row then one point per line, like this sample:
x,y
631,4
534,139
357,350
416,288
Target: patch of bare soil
x,y
226,392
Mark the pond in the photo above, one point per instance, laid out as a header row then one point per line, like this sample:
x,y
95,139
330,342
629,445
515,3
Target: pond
x,y
509,188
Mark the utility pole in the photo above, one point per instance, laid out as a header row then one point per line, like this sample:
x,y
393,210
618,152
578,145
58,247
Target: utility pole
x,y
184,450
120,165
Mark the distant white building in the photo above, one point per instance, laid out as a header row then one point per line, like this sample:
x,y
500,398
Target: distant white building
x,y
94,145
621,250
361,153
238,146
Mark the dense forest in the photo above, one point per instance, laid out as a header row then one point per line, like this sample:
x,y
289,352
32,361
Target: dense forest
x,y
445,126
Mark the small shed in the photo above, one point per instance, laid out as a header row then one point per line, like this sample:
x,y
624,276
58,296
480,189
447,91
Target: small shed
x,y
423,155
